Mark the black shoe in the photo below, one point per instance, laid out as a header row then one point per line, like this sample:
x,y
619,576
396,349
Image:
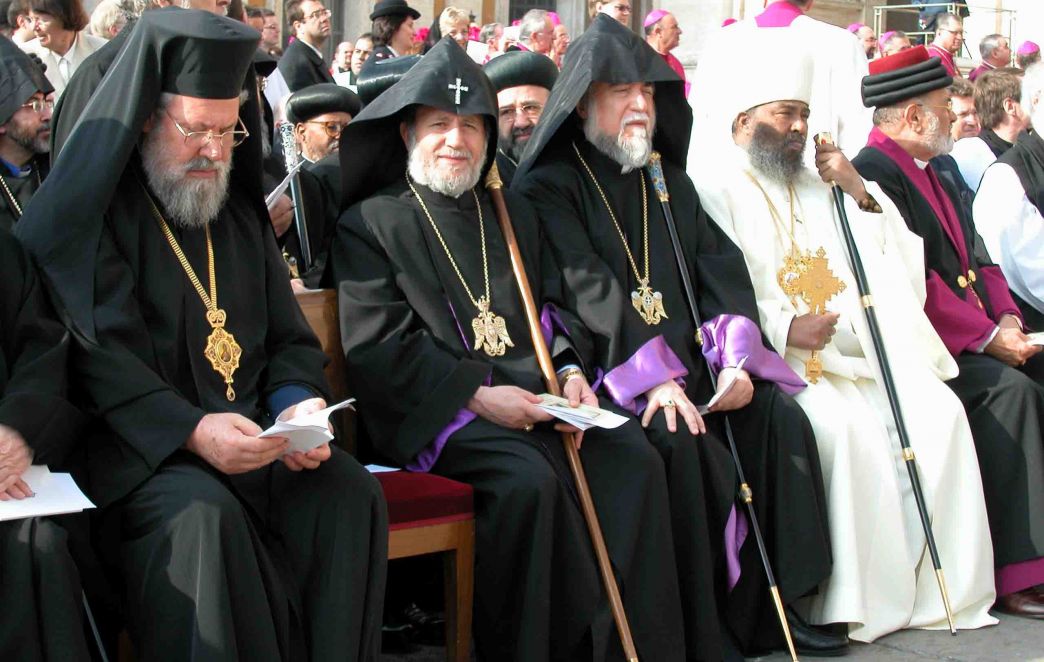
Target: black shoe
x,y
429,628
397,639
813,641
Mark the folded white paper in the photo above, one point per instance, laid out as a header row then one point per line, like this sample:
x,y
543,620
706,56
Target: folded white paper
x,y
583,417
1035,338
55,494
307,431
278,191
380,469
703,409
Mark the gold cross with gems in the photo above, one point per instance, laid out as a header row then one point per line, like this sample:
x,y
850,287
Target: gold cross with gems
x,y
810,278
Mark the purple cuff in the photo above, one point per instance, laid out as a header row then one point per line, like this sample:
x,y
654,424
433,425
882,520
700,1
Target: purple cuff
x,y
429,455
735,535
653,364
997,290
728,339
1020,576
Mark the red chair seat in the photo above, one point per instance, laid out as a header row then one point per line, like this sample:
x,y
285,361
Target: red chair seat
x,y
419,499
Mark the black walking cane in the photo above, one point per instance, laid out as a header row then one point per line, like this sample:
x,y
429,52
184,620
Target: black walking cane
x,y
889,383
286,133
655,169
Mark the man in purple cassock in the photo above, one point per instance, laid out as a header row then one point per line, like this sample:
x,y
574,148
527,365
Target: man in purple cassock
x,y
971,307
584,170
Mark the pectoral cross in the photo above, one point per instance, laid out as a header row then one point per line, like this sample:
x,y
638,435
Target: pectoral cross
x,y
457,88
810,278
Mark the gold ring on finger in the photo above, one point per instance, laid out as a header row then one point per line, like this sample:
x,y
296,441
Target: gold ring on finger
x,y
528,427
669,404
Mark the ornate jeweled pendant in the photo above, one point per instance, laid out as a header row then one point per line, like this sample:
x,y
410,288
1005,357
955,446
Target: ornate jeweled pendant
x,y
649,304
491,335
222,350
809,278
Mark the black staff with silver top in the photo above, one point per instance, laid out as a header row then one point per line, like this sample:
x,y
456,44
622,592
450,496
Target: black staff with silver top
x,y
655,170
856,263
290,155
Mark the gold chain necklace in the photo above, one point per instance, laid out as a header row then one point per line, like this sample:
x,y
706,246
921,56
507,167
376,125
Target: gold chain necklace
x,y
803,275
648,303
222,350
491,335
10,196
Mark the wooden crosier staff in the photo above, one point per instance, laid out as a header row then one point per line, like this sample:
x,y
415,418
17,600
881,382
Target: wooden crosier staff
x,y
494,185
889,383
660,186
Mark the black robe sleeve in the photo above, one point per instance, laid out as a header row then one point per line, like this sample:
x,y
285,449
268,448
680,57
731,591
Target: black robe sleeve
x,y
422,384
33,366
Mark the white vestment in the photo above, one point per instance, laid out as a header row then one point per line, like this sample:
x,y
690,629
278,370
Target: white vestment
x,y
1013,230
882,579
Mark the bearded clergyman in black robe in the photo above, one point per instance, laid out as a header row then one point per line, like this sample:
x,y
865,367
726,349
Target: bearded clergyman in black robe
x,y
38,579
188,341
25,120
439,352
583,171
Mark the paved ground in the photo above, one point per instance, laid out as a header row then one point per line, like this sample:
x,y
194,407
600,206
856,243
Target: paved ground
x,y
1014,640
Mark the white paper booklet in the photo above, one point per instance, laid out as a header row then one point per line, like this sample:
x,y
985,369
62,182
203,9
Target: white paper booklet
x,y
1035,338
55,494
583,417
308,431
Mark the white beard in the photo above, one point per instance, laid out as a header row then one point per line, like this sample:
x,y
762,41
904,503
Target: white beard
x,y
630,152
190,203
425,170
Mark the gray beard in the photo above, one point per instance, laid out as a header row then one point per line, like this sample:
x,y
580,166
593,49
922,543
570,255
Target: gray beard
x,y
427,173
938,143
768,158
630,153
189,203
29,141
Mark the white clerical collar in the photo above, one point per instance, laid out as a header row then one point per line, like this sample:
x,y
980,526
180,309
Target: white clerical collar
x,y
921,164
394,52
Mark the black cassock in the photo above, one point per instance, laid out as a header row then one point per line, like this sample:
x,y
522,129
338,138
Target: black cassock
x,y
1005,405
263,565
39,583
301,66
21,188
774,438
406,325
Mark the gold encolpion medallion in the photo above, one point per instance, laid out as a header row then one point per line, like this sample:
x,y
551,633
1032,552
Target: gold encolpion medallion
x,y
491,335
648,303
222,350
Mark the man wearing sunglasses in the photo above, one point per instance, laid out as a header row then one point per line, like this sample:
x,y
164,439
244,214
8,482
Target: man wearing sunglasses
x,y
302,64
25,130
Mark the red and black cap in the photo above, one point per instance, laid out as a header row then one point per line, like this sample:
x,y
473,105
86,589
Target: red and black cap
x,y
903,75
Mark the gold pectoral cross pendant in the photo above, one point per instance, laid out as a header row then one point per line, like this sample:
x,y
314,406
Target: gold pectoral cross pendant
x,y
649,304
491,334
222,350
809,277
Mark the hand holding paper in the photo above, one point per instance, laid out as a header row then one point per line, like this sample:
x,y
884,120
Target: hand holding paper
x,y
306,431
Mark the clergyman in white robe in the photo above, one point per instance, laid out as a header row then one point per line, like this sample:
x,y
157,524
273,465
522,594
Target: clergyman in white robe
x,y
883,579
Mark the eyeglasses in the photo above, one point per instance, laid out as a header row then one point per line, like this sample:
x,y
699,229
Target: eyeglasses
x,y
531,110
623,9
270,27
948,106
318,15
959,33
333,129
199,139
38,105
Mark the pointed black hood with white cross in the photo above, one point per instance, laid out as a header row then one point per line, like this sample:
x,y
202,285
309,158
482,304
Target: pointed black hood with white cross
x,y
444,78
